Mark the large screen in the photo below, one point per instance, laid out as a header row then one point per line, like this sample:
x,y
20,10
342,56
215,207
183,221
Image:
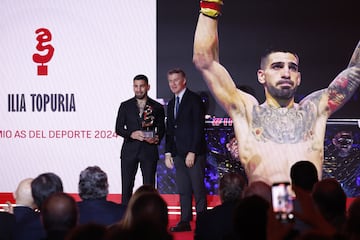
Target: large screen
x,y
341,156
65,67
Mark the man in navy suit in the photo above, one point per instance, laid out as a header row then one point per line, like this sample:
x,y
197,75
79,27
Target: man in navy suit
x,y
28,223
141,122
94,207
185,146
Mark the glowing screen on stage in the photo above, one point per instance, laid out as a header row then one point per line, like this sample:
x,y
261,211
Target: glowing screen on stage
x,y
341,156
65,68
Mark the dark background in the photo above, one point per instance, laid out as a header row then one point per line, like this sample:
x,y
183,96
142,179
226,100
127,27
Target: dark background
x,y
323,33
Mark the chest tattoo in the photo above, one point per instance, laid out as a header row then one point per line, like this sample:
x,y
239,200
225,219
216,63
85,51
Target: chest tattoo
x,y
283,125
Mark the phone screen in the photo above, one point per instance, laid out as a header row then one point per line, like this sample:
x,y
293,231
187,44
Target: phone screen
x,y
282,200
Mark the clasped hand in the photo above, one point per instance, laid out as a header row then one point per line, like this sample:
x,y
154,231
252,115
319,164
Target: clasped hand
x,y
139,135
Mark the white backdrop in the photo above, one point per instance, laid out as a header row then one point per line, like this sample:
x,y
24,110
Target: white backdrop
x,y
99,46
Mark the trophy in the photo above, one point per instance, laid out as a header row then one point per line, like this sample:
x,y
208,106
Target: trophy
x,y
147,124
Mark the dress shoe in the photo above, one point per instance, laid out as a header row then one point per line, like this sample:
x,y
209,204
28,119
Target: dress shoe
x,y
181,227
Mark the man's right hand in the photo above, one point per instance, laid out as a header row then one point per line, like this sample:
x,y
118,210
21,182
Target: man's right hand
x,y
169,162
138,135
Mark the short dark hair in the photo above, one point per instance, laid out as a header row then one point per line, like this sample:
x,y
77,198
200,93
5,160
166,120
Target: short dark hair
x,y
59,212
176,70
44,185
230,136
304,175
93,183
269,51
141,77
231,187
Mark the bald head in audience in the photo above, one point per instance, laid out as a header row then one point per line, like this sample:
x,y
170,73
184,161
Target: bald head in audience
x,y
23,195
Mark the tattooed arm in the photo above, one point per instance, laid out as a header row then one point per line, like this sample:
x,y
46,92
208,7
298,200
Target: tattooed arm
x,y
206,60
345,84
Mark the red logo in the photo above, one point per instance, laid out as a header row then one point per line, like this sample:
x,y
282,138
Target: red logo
x,y
43,36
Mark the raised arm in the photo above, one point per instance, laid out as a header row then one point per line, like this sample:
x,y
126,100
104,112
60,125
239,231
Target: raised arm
x,y
345,84
206,60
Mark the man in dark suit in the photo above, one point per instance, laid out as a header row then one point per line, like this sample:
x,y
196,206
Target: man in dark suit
x,y
28,223
141,122
185,146
93,191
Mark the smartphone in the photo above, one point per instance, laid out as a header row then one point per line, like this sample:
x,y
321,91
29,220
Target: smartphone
x,y
282,201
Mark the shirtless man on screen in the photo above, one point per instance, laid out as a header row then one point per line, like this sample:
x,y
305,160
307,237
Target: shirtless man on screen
x,y
273,135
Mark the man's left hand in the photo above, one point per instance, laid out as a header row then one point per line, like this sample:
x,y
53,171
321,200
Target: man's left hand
x,y
190,159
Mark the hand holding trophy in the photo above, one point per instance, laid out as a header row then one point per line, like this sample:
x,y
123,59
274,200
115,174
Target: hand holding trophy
x,y
147,124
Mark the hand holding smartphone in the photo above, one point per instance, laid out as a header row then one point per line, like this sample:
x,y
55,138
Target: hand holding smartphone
x,y
282,201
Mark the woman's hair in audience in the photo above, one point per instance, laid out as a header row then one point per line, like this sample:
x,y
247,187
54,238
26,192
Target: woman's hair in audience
x,y
87,231
128,216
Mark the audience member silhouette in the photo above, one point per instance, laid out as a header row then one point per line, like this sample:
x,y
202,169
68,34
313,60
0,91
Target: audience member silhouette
x,y
303,174
87,231
353,220
330,199
28,224
217,223
250,220
44,185
59,214
121,229
128,217
93,191
7,226
319,227
259,188
149,219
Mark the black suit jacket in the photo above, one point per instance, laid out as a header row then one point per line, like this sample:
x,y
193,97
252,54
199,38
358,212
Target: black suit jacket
x,y
28,224
186,133
7,226
100,211
128,121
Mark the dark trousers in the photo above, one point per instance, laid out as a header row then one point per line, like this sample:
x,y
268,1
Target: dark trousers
x,y
190,181
129,166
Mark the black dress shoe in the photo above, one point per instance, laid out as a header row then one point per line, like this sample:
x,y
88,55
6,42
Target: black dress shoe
x,y
181,227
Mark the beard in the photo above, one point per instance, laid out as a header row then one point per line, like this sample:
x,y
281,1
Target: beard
x,y
140,96
282,93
